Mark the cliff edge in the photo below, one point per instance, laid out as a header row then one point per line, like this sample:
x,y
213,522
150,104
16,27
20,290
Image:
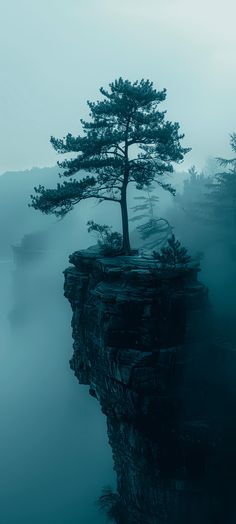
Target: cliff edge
x,y
142,344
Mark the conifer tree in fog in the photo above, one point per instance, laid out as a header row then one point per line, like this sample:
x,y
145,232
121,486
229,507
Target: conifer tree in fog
x,y
222,191
154,230
215,203
127,139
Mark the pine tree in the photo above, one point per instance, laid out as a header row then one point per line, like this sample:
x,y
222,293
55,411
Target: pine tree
x,y
173,255
126,140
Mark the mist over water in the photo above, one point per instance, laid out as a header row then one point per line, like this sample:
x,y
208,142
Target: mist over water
x,y
54,453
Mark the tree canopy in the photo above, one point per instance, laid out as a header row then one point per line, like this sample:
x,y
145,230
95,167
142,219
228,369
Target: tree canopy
x,y
127,139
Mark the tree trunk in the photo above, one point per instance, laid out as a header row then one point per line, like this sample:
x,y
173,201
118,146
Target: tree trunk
x,y
125,222
123,202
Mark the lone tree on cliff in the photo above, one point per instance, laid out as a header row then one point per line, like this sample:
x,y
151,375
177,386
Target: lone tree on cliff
x,y
126,140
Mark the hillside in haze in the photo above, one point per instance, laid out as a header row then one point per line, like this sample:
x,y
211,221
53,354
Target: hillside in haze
x,y
16,218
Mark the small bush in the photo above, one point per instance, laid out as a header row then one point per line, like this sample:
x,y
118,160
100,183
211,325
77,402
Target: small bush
x,y
110,242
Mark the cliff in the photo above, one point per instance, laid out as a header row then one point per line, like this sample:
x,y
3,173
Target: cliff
x,y
141,343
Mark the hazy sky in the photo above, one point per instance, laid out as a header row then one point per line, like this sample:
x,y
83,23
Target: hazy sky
x,y
55,54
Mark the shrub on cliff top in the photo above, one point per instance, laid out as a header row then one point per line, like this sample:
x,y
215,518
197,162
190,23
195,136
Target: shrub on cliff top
x,y
172,255
109,242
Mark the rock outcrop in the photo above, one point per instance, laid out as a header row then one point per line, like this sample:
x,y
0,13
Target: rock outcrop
x,y
141,343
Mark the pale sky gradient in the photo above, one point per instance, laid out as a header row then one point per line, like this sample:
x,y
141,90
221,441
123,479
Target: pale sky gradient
x,y
55,54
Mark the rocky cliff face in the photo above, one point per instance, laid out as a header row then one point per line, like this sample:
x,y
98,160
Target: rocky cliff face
x,y
140,343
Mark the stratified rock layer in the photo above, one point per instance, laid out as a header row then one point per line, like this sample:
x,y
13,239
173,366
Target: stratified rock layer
x,y
140,343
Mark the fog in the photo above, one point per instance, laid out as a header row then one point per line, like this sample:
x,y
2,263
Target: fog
x,y
54,453
56,55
